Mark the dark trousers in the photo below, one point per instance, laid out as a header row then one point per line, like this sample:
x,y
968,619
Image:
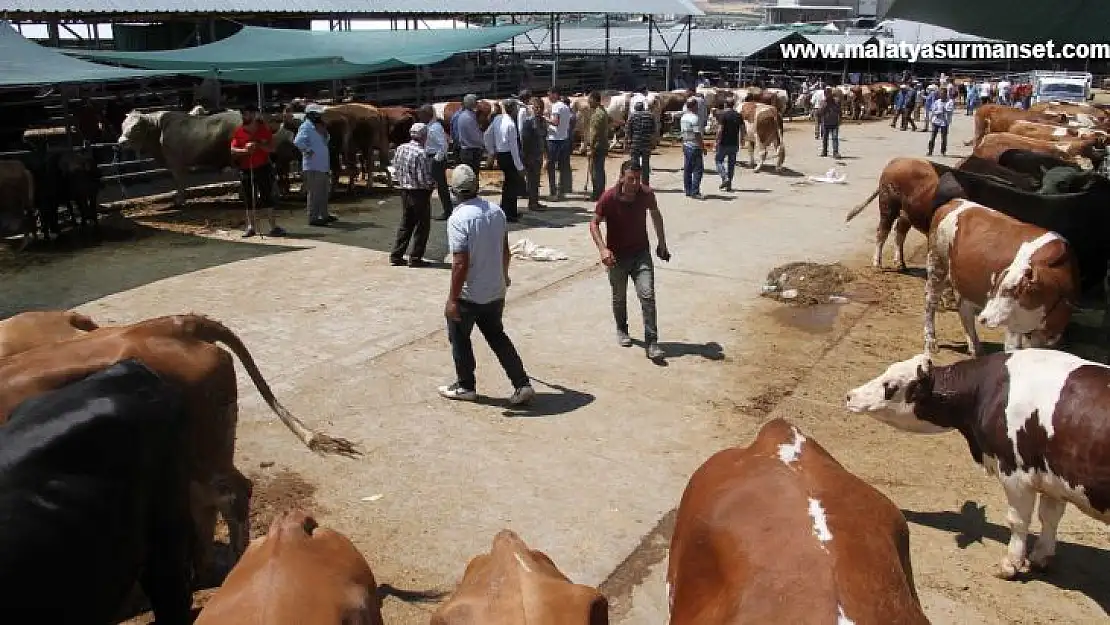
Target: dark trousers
x,y
597,172
693,166
907,118
257,186
640,269
532,170
831,132
488,319
513,186
439,174
558,156
726,163
943,130
472,157
644,160
416,219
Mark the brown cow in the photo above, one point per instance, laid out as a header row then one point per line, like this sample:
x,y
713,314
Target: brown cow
x,y
1085,152
764,130
1083,114
1021,276
1051,132
515,585
773,533
357,128
298,574
28,330
182,349
905,191
17,210
992,118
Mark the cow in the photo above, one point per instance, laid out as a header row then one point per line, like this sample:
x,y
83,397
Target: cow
x,y
1036,419
179,141
516,585
1051,132
771,533
1022,277
992,118
92,482
285,153
27,330
1033,163
298,573
182,349
81,182
357,128
1084,114
906,190
764,130
1087,152
17,211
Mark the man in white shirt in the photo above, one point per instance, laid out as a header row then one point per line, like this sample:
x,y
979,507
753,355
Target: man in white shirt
x,y
941,117
1004,92
503,140
558,147
693,150
817,102
435,146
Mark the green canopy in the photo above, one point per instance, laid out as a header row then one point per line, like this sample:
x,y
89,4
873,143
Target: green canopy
x,y
26,63
278,55
1018,21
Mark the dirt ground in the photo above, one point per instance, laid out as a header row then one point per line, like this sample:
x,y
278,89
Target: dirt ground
x,y
358,352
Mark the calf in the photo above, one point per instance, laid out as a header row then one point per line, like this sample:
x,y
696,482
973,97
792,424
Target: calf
x,y
1051,132
764,130
94,498
1038,420
80,186
515,585
771,533
27,330
298,573
906,190
997,118
183,350
1022,277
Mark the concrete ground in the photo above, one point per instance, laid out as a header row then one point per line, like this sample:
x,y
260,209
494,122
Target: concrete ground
x,y
590,473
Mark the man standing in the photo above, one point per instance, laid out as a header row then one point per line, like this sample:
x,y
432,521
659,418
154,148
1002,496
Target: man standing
x,y
471,143
730,129
558,147
940,115
501,139
817,102
312,141
597,144
641,134
414,176
693,150
533,136
252,143
478,237
626,251
435,146
910,107
830,124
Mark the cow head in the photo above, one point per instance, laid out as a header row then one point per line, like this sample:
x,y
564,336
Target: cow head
x,y
1019,299
891,397
136,129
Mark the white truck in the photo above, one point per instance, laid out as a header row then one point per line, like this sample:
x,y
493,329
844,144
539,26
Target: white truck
x,y
1061,86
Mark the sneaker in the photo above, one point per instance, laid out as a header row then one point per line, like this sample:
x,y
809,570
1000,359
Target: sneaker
x,y
417,262
721,187
454,391
277,231
248,233
623,339
654,352
697,196
331,219
397,262
522,395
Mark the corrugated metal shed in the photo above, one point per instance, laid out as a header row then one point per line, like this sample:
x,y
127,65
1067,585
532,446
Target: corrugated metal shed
x,y
709,43
850,40
16,9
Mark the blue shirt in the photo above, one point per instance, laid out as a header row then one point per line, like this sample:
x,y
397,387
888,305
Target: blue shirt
x,y
309,139
469,134
436,145
478,227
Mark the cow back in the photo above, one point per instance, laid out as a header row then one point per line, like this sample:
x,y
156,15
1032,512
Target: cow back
x,y
1032,163
190,141
87,472
990,168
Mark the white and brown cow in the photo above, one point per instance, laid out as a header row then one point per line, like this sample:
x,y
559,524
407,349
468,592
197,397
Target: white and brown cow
x,y
515,585
1037,419
1022,277
764,130
771,533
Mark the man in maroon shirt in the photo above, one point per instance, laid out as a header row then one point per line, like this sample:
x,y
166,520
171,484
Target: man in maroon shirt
x,y
626,250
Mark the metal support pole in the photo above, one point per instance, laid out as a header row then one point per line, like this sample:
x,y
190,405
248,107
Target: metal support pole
x,y
261,98
608,68
65,113
553,61
651,37
493,56
689,27
667,77
512,42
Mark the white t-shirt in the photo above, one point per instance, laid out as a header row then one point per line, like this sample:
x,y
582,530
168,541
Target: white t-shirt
x,y
637,97
690,128
562,113
817,99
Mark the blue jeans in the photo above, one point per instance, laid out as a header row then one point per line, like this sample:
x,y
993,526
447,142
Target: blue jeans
x,y
640,269
558,155
834,133
692,168
488,319
726,162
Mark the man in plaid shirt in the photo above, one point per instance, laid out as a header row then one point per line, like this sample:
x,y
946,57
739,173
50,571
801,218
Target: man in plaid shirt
x,y
414,176
641,134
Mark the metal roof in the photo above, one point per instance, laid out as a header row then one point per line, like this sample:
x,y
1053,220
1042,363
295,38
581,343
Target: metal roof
x,y
710,43
15,9
834,38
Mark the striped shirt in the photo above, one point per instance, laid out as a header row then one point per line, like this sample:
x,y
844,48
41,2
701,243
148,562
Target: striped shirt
x,y
413,167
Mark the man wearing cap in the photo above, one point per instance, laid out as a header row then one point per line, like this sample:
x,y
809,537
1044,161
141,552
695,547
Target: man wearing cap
x,y
471,142
251,144
435,146
503,140
312,141
477,234
414,176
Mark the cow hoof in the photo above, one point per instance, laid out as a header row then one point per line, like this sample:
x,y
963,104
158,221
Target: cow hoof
x,y
1008,570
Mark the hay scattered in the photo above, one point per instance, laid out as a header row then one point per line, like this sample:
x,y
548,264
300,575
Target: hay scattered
x,y
808,284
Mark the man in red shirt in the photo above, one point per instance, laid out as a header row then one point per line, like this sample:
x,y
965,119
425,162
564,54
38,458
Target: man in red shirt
x,y
251,145
626,250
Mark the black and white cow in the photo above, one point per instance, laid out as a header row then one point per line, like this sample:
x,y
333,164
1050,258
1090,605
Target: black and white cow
x,y
1037,419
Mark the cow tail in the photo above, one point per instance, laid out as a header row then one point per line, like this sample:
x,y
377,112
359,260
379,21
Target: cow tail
x,y
212,331
782,145
82,322
857,210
